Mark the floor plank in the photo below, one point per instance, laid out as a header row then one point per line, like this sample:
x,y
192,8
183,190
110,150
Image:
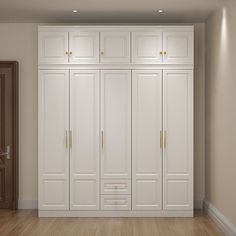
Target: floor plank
x,y
26,222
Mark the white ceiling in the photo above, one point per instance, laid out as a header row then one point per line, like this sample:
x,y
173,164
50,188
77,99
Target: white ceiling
x,y
101,11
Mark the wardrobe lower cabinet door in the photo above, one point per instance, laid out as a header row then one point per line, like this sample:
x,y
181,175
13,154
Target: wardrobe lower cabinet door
x,y
84,139
147,139
178,151
115,124
53,146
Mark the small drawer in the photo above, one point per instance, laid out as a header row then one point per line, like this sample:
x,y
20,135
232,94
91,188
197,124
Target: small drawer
x,y
115,186
116,202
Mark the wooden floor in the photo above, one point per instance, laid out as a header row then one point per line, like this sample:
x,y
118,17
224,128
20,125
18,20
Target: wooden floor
x,y
26,222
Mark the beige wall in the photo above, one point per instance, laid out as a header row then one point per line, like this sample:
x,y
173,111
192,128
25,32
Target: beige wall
x,y
221,111
19,42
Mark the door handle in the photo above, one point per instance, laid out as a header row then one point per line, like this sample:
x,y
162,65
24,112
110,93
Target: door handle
x,y
71,137
165,139
102,139
7,153
66,139
161,140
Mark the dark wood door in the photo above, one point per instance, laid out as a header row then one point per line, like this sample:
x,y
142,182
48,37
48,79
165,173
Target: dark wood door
x,y
8,135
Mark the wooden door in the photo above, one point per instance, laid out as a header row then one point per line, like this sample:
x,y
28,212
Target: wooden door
x,y
53,48
115,47
178,140
84,47
8,135
53,139
84,150
147,139
116,124
147,47
178,47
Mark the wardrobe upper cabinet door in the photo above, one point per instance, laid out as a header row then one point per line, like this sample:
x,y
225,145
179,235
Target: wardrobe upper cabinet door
x,y
115,47
178,47
53,47
116,124
147,47
178,151
53,143
147,139
84,47
84,152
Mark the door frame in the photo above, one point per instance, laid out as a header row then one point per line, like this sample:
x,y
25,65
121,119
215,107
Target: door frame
x,y
15,128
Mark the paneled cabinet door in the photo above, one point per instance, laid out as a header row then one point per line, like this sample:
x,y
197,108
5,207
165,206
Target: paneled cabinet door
x,y
115,47
147,139
178,137
84,47
178,47
116,124
147,47
84,139
53,143
53,47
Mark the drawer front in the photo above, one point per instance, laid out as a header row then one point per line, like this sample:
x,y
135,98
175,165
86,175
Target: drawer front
x,y
115,202
115,186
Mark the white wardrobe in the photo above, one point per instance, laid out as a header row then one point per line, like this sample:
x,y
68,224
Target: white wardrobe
x,y
115,121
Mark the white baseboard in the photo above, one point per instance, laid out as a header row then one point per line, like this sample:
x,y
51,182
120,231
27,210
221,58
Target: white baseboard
x,y
108,213
198,204
224,224
27,204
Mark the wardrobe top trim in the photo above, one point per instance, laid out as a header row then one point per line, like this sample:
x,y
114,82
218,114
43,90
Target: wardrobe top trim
x,y
57,28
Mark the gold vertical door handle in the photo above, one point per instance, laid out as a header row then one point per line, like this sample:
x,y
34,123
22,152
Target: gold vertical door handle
x,y
66,139
161,141
165,139
70,138
102,139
